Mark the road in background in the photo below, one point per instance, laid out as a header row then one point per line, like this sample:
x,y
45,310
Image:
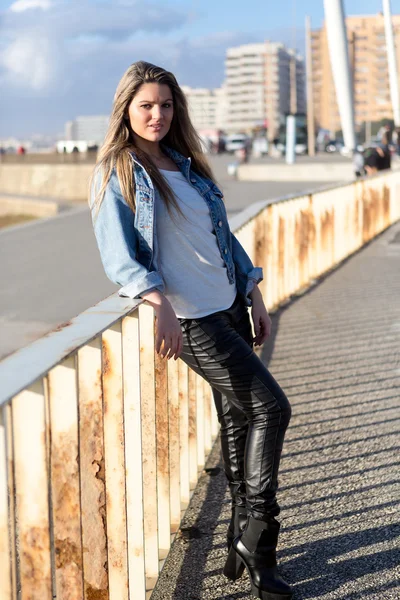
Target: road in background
x,y
51,269
239,194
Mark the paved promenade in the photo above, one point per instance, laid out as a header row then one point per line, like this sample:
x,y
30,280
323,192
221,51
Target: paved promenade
x,y
336,352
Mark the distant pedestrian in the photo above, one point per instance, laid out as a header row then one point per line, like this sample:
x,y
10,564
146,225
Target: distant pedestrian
x,y
371,161
396,140
384,153
358,164
163,235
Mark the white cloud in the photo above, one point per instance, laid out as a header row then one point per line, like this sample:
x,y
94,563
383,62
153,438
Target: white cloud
x,y
28,62
22,5
67,60
40,53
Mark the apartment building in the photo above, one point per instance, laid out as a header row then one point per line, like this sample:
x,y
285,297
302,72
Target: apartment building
x,y
206,107
368,60
91,129
258,86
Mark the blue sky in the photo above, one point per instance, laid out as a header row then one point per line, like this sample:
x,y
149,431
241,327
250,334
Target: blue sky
x,y
63,58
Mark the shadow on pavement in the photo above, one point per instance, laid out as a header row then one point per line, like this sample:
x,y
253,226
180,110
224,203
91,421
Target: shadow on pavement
x,y
339,480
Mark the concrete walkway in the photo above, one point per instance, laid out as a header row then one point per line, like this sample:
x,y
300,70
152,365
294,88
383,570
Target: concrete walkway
x,y
336,352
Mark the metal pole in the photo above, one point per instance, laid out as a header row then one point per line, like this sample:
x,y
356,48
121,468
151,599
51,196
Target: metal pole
x,y
293,85
368,133
353,62
291,119
293,69
339,56
310,97
392,62
290,139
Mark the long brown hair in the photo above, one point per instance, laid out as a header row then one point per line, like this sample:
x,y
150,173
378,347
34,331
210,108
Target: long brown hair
x,y
119,139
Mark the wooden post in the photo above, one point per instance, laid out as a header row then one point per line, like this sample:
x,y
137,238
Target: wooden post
x,y
91,463
31,481
114,455
65,486
192,429
200,423
184,433
174,444
133,457
5,554
149,445
162,433
7,414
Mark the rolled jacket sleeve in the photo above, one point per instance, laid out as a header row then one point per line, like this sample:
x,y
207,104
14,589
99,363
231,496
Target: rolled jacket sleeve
x,y
116,238
247,272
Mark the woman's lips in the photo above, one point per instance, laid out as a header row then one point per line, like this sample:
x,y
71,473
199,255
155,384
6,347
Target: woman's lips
x,y
156,127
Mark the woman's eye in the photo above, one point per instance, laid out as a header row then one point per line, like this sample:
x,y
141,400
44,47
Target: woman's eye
x,y
145,106
167,105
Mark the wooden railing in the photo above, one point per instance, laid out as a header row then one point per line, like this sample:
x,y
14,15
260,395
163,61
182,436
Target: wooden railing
x,y
101,441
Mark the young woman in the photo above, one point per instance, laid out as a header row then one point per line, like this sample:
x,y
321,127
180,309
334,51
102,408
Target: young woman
x,y
163,235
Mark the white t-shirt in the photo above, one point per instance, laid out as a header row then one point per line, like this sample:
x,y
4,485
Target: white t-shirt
x,y
195,277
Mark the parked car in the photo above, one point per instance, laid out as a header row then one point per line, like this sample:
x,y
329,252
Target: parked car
x,y
235,142
333,146
300,148
260,146
344,151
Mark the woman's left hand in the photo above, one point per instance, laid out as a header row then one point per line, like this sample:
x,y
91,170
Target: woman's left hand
x,y
261,319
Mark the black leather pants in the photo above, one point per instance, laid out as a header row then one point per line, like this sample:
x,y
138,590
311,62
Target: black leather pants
x,y
252,409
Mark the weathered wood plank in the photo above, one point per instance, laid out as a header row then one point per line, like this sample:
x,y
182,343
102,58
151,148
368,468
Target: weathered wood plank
x,y
164,528
174,444
192,424
5,551
149,447
65,486
91,454
184,433
200,423
133,457
114,454
31,486
7,412
208,400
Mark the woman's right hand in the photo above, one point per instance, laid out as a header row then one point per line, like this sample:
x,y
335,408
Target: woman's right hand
x,y
169,339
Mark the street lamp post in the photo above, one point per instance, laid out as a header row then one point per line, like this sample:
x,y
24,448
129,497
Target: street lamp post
x,y
291,118
339,57
392,62
310,98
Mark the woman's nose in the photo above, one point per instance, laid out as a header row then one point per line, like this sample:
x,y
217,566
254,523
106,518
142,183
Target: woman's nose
x,y
156,112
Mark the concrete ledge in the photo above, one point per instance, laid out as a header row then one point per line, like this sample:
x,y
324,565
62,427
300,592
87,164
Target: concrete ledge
x,y
28,206
66,182
323,172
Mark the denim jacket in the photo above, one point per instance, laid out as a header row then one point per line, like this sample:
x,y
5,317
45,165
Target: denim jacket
x,y
128,244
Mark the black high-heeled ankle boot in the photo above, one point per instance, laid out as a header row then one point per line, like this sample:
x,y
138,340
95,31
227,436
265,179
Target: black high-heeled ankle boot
x,y
237,524
255,549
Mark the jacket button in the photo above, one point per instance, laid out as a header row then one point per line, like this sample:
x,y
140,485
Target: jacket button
x,y
225,251
219,223
193,181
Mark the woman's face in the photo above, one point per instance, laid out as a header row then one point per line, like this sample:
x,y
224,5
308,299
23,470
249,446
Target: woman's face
x,y
151,111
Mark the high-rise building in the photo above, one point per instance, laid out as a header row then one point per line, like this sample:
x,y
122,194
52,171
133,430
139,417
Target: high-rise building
x,y
258,86
91,129
204,107
368,61
222,107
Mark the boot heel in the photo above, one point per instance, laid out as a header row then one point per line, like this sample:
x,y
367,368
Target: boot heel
x,y
263,595
234,566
